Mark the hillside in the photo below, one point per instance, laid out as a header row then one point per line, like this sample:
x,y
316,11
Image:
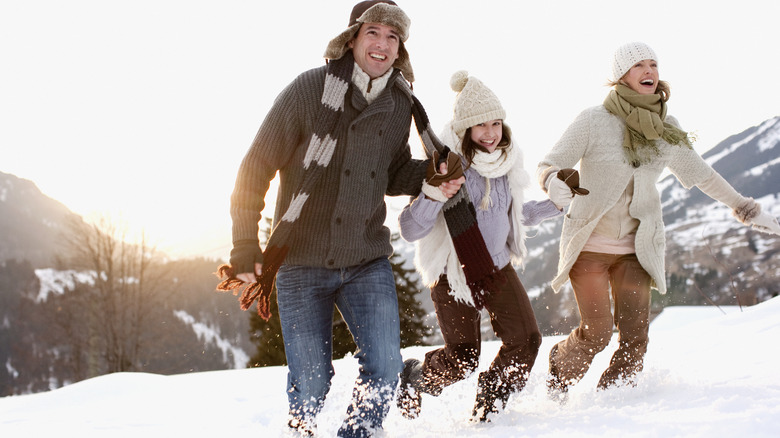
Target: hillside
x,y
30,222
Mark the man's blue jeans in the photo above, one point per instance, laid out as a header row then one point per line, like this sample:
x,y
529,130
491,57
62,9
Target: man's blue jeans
x,y
366,297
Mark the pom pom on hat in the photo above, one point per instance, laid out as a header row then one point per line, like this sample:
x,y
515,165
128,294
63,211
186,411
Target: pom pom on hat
x,y
474,104
458,80
627,55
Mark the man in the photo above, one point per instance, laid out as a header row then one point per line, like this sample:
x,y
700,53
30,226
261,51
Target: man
x,y
337,135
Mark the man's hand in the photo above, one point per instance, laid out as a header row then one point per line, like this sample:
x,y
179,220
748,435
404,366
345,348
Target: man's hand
x,y
248,277
245,256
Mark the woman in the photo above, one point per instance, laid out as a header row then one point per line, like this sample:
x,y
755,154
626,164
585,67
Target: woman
x,y
613,240
495,180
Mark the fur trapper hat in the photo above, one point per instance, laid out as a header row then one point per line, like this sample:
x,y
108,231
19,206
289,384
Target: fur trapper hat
x,y
627,55
475,103
375,11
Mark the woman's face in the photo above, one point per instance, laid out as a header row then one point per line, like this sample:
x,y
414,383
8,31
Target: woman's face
x,y
487,134
642,77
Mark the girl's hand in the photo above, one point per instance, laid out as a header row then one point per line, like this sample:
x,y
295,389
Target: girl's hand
x,y
451,187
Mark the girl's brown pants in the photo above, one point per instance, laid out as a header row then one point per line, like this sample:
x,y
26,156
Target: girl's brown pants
x,y
513,321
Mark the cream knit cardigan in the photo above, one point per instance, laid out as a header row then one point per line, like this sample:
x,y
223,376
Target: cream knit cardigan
x,y
595,140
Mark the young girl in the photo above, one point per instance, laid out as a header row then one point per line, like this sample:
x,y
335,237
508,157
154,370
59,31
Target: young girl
x,y
613,241
495,180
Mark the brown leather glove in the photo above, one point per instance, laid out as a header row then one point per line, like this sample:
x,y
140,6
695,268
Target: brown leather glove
x,y
454,168
572,179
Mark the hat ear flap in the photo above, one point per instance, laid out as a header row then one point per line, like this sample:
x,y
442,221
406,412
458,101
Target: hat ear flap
x,y
338,46
404,64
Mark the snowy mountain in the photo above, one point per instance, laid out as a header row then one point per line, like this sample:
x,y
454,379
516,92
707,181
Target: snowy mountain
x,y
30,222
707,374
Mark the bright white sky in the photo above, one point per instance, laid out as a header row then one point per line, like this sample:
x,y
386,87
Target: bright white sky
x,y
144,109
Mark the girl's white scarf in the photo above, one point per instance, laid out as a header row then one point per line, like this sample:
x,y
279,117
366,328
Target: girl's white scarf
x,y
435,252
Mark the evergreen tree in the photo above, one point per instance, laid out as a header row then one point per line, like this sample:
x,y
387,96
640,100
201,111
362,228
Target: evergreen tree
x,y
410,311
25,363
267,337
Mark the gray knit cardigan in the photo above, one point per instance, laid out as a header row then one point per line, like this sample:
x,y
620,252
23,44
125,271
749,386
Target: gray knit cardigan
x,y
343,223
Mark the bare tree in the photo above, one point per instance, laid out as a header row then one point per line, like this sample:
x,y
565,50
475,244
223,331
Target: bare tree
x,y
111,310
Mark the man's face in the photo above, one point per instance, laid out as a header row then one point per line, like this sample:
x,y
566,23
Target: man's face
x,y
375,48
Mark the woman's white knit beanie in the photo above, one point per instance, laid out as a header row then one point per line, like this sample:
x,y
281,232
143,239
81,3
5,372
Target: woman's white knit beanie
x,y
474,104
627,55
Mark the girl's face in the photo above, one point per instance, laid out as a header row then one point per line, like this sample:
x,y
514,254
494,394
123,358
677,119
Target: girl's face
x,y
642,77
487,134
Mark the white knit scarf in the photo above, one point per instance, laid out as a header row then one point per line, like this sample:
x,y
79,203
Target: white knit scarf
x,y
435,252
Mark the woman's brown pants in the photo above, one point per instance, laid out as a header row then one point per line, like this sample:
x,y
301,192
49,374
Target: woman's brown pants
x,y
592,277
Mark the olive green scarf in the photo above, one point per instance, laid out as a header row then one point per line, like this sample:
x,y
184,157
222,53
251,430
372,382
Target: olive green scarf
x,y
644,115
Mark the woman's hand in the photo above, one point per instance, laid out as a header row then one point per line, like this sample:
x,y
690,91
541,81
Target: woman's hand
x,y
559,192
766,223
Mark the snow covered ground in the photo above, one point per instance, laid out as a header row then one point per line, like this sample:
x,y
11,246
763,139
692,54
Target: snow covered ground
x,y
707,374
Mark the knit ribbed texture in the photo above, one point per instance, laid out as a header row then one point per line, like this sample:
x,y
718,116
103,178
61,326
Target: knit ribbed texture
x,y
420,220
474,104
338,219
461,256
644,116
372,160
319,152
482,276
627,55
595,140
352,205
